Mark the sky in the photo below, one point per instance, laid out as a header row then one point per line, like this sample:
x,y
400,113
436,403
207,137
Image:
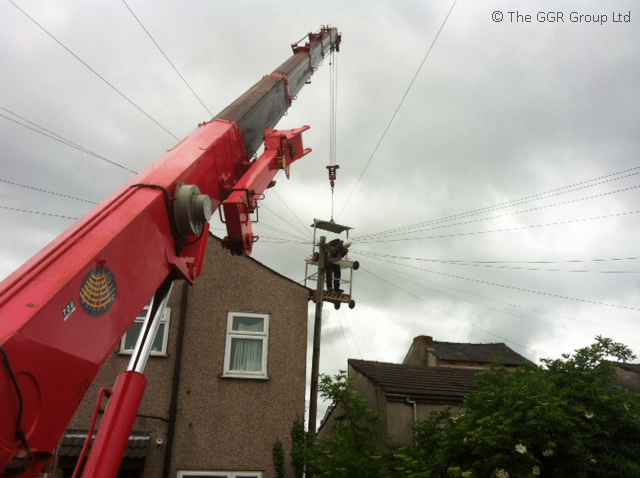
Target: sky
x,y
491,177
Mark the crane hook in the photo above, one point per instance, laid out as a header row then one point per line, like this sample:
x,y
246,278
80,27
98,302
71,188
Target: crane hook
x,y
332,174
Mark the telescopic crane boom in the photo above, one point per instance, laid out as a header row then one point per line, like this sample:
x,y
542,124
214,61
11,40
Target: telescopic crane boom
x,y
64,311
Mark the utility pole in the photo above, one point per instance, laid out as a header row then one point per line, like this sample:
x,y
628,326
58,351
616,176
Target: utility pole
x,y
315,359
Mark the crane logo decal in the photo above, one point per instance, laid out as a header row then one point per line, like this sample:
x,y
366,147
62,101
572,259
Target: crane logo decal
x,y
98,291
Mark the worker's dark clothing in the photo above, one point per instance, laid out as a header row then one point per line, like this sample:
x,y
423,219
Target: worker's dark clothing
x,y
332,272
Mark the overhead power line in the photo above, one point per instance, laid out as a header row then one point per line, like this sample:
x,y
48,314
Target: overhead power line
x,y
94,71
167,58
516,202
305,233
393,117
446,261
563,203
498,265
511,313
306,229
48,192
15,209
508,304
281,231
512,287
56,137
531,319
447,312
498,230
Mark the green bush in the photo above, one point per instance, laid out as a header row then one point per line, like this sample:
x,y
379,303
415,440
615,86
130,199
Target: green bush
x,y
564,418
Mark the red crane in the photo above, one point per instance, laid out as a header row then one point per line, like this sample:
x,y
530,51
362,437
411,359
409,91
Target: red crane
x,y
63,312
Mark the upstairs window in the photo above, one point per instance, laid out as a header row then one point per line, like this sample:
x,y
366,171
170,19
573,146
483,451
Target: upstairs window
x,y
246,347
159,347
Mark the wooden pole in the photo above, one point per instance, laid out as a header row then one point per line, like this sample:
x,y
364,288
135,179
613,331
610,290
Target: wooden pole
x,y
315,359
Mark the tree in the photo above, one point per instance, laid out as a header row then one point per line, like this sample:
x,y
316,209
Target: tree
x,y
299,448
347,452
355,449
565,418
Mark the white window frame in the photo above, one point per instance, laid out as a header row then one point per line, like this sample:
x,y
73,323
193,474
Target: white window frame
x,y
231,334
220,474
164,319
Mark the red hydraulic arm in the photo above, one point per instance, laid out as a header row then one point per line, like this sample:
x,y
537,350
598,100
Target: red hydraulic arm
x,y
64,311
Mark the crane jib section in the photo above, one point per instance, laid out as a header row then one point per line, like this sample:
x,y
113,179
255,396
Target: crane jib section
x,y
64,311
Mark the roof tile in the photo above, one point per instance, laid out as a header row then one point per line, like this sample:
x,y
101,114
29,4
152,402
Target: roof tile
x,y
431,385
479,353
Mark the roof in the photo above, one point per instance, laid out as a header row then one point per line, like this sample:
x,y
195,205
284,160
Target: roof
x,y
72,443
213,236
430,385
479,353
630,367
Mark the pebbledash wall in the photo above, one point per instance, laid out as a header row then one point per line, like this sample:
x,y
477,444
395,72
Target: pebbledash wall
x,y
198,418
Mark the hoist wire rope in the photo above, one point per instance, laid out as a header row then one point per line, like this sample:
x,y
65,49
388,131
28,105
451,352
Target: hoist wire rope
x,y
333,106
333,95
446,311
508,304
512,287
496,265
393,117
503,311
94,71
167,58
510,229
64,141
515,202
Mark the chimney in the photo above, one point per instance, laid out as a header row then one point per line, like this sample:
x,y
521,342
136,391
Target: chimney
x,y
418,352
427,340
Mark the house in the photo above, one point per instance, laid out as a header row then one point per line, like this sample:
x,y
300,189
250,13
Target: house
x,y
628,376
226,378
432,376
427,353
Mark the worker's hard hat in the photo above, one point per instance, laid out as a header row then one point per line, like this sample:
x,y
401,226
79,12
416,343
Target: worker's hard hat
x,y
346,243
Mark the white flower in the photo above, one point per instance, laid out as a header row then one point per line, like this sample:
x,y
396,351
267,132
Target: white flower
x,y
520,448
548,452
500,473
589,415
536,470
593,460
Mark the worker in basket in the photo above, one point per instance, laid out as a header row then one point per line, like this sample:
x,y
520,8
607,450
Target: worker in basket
x,y
337,249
